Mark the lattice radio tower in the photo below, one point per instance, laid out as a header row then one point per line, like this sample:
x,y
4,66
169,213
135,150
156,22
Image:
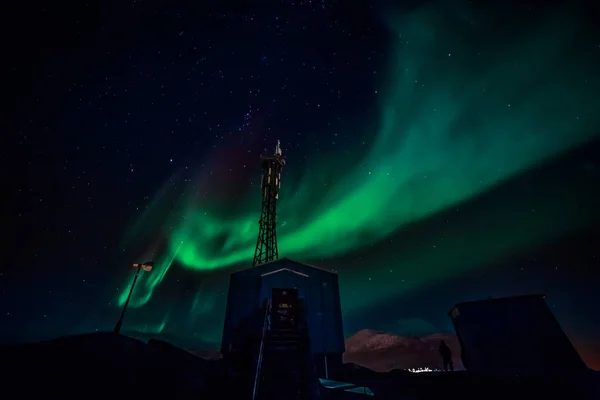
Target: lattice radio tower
x,y
266,245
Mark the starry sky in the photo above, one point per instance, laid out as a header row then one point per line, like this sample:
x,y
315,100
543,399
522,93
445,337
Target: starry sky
x,y
437,152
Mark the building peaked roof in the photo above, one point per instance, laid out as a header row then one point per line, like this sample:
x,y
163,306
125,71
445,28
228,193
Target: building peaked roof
x,y
284,269
285,260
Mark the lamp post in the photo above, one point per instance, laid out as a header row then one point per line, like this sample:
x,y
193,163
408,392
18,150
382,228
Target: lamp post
x,y
147,266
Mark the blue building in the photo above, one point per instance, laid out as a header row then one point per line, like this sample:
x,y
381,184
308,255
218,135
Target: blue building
x,y
251,290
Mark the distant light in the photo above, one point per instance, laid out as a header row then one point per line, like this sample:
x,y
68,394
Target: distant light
x,y
170,160
419,370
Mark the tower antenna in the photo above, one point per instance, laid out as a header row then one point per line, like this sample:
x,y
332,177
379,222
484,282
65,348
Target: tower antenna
x,y
266,244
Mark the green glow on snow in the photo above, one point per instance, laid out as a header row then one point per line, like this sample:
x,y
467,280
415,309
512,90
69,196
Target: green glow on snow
x,y
454,121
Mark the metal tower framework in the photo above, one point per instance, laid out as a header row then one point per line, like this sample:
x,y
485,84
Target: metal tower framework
x,y
266,244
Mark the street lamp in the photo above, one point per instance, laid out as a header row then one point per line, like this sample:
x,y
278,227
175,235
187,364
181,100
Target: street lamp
x,y
147,266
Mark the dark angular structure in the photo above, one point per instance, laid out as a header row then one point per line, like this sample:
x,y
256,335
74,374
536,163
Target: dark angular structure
x,y
514,336
317,295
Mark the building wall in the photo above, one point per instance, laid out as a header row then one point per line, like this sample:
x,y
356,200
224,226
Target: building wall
x,y
242,301
517,335
319,289
328,365
284,279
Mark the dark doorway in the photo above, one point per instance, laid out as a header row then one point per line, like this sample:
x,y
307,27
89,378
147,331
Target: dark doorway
x,y
284,305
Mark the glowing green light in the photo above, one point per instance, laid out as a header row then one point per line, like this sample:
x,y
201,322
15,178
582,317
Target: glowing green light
x,y
449,128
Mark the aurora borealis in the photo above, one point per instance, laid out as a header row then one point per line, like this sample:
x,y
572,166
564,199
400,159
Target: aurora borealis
x,y
426,145
449,127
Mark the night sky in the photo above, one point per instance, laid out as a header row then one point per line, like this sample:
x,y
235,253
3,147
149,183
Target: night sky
x,y
437,152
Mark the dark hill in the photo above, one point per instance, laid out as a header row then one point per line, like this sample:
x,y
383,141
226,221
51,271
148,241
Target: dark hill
x,y
106,364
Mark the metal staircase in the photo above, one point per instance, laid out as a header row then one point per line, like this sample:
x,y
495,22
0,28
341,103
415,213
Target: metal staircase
x,y
285,368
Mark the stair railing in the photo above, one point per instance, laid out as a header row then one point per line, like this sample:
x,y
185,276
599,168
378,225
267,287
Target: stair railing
x,y
265,328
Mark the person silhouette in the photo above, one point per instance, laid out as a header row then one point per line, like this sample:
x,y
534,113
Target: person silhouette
x,y
446,354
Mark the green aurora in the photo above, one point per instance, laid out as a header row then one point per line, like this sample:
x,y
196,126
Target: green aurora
x,y
454,121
